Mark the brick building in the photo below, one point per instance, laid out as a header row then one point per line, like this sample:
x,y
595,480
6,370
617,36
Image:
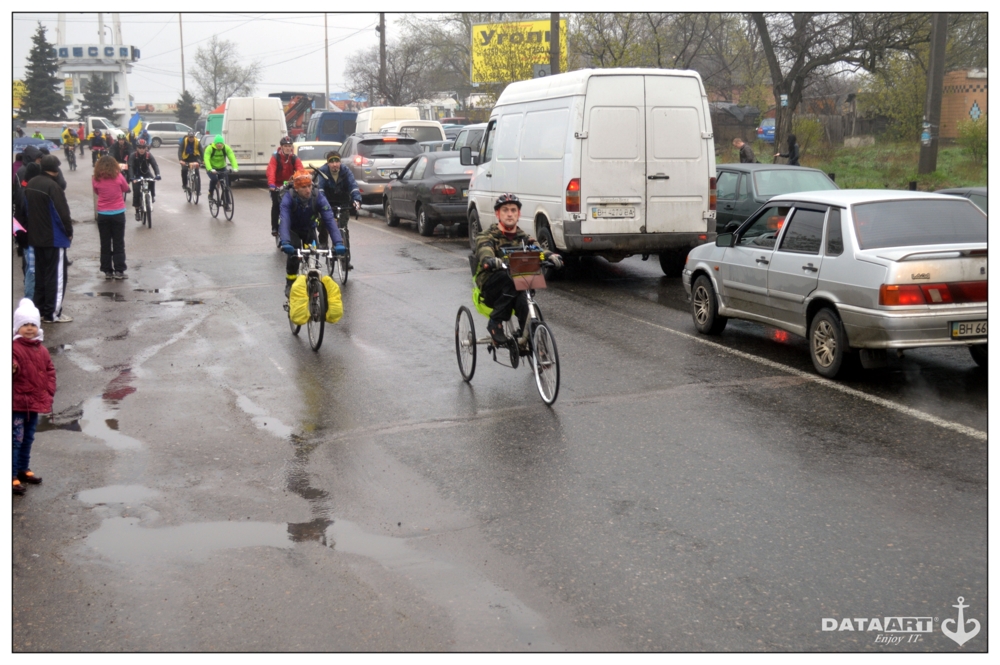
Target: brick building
x,y
964,98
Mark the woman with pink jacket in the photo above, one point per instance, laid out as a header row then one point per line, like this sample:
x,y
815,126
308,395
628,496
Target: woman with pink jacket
x,y
110,186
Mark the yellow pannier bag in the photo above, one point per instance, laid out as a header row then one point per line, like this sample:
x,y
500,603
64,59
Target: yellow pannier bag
x,y
334,303
479,304
298,302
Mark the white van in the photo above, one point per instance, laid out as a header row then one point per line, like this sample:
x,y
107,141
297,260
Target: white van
x,y
422,130
371,119
252,127
606,162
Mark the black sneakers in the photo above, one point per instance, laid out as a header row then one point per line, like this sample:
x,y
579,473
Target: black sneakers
x,y
495,328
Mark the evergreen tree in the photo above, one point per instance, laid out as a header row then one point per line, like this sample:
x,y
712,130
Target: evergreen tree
x,y
185,109
43,99
98,99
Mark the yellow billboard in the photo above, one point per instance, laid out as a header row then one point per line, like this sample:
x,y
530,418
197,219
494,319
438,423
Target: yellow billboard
x,y
19,92
503,52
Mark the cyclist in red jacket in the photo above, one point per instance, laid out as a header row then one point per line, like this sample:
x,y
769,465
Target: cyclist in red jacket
x,y
281,167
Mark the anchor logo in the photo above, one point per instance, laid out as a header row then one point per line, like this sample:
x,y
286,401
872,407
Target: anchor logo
x,y
959,634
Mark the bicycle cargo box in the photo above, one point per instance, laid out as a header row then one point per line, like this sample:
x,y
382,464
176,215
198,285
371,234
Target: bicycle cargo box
x,y
526,270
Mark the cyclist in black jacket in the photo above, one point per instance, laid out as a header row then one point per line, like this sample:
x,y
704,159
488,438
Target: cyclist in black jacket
x,y
142,164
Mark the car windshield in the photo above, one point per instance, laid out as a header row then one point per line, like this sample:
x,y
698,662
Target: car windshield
x,y
450,166
921,222
308,152
767,122
386,149
789,181
422,133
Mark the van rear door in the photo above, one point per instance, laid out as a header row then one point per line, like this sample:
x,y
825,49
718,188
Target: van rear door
x,y
677,160
238,127
613,156
269,127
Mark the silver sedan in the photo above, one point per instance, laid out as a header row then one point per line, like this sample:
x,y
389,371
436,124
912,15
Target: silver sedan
x,y
856,272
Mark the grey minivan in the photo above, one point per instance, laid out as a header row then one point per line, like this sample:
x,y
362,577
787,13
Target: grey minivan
x,y
166,132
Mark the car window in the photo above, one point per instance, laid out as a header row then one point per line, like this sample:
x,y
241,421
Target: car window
x,y
421,133
918,222
726,185
789,181
745,186
834,234
182,128
763,231
487,149
804,233
417,172
979,200
381,149
451,166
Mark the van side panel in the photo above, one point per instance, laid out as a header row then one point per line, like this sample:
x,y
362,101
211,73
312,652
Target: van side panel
x,y
237,128
269,127
543,152
613,156
505,156
676,148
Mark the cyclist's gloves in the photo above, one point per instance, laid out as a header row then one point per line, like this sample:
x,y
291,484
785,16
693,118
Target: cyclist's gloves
x,y
357,205
340,249
556,260
287,249
157,178
492,263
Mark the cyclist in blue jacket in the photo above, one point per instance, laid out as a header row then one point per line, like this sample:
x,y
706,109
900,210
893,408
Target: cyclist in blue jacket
x,y
300,207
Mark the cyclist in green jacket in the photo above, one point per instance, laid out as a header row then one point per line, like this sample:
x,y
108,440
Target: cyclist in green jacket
x,y
215,159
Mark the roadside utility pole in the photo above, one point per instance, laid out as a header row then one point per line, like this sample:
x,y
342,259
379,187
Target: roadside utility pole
x,y
554,44
381,54
180,23
326,51
935,85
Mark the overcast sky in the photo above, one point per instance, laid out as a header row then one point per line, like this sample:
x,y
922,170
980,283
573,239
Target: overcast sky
x,y
289,46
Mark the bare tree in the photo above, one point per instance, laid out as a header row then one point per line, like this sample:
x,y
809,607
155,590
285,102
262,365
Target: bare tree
x,y
220,75
407,77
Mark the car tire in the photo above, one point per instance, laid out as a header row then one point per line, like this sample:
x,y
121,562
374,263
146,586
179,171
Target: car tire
x,y
156,142
705,307
828,349
978,353
424,226
390,218
672,262
547,243
474,229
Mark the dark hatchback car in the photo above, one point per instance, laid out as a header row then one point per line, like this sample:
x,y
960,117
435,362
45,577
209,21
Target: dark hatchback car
x,y
743,188
373,158
975,194
432,189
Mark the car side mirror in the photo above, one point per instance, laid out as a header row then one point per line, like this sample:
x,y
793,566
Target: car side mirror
x,y
393,176
724,240
466,156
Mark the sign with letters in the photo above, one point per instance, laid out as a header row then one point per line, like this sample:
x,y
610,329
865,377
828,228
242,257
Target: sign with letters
x,y
509,51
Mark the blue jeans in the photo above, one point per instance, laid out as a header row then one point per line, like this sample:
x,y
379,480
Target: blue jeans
x,y
29,272
25,423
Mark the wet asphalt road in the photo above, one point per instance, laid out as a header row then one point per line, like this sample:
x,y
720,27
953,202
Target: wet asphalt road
x,y
211,484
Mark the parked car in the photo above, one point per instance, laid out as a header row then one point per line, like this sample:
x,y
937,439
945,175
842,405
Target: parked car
x,y
166,132
373,157
432,189
850,270
975,194
313,153
742,188
472,136
766,130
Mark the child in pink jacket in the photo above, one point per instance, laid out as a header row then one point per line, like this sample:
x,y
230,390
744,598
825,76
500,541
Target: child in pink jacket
x,y
110,186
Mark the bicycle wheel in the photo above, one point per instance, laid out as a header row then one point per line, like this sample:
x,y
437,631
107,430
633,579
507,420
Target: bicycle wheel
x,y
188,192
196,186
317,313
147,201
465,343
340,269
545,363
295,328
227,203
213,203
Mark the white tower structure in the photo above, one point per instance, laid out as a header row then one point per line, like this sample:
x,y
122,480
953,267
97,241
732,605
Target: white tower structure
x,y
84,62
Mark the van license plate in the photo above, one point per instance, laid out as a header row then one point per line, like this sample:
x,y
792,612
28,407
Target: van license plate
x,y
968,329
602,212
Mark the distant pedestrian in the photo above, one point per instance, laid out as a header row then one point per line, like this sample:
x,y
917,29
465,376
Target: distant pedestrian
x,y
20,131
80,134
746,154
34,385
793,151
50,233
110,187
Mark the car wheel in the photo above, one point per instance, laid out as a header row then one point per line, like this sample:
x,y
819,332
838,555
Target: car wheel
x,y
828,345
474,229
156,142
705,308
390,216
424,226
672,262
978,353
547,243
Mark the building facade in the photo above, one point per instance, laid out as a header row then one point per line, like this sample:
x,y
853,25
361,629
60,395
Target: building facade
x,y
964,98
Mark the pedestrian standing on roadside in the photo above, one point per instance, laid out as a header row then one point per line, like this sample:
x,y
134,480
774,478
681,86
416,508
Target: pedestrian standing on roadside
x,y
50,233
33,388
793,151
110,187
746,153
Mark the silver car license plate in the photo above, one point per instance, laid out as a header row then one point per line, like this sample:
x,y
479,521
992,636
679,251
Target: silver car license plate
x,y
602,212
961,329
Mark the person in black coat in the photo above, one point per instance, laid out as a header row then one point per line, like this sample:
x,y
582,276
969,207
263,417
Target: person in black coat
x,y
746,153
793,151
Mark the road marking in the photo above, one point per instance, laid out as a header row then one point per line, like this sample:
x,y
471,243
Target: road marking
x,y
920,415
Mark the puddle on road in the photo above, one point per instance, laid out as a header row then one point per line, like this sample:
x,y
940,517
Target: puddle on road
x,y
307,531
474,603
178,302
47,424
123,539
131,494
99,421
112,295
261,420
146,290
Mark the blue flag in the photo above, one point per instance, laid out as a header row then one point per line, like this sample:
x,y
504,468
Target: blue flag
x,y
135,124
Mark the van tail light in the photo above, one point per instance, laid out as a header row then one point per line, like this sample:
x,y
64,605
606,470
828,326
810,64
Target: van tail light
x,y
444,188
932,294
573,195
713,194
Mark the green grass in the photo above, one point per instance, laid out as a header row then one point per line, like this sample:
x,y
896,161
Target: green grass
x,y
883,166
